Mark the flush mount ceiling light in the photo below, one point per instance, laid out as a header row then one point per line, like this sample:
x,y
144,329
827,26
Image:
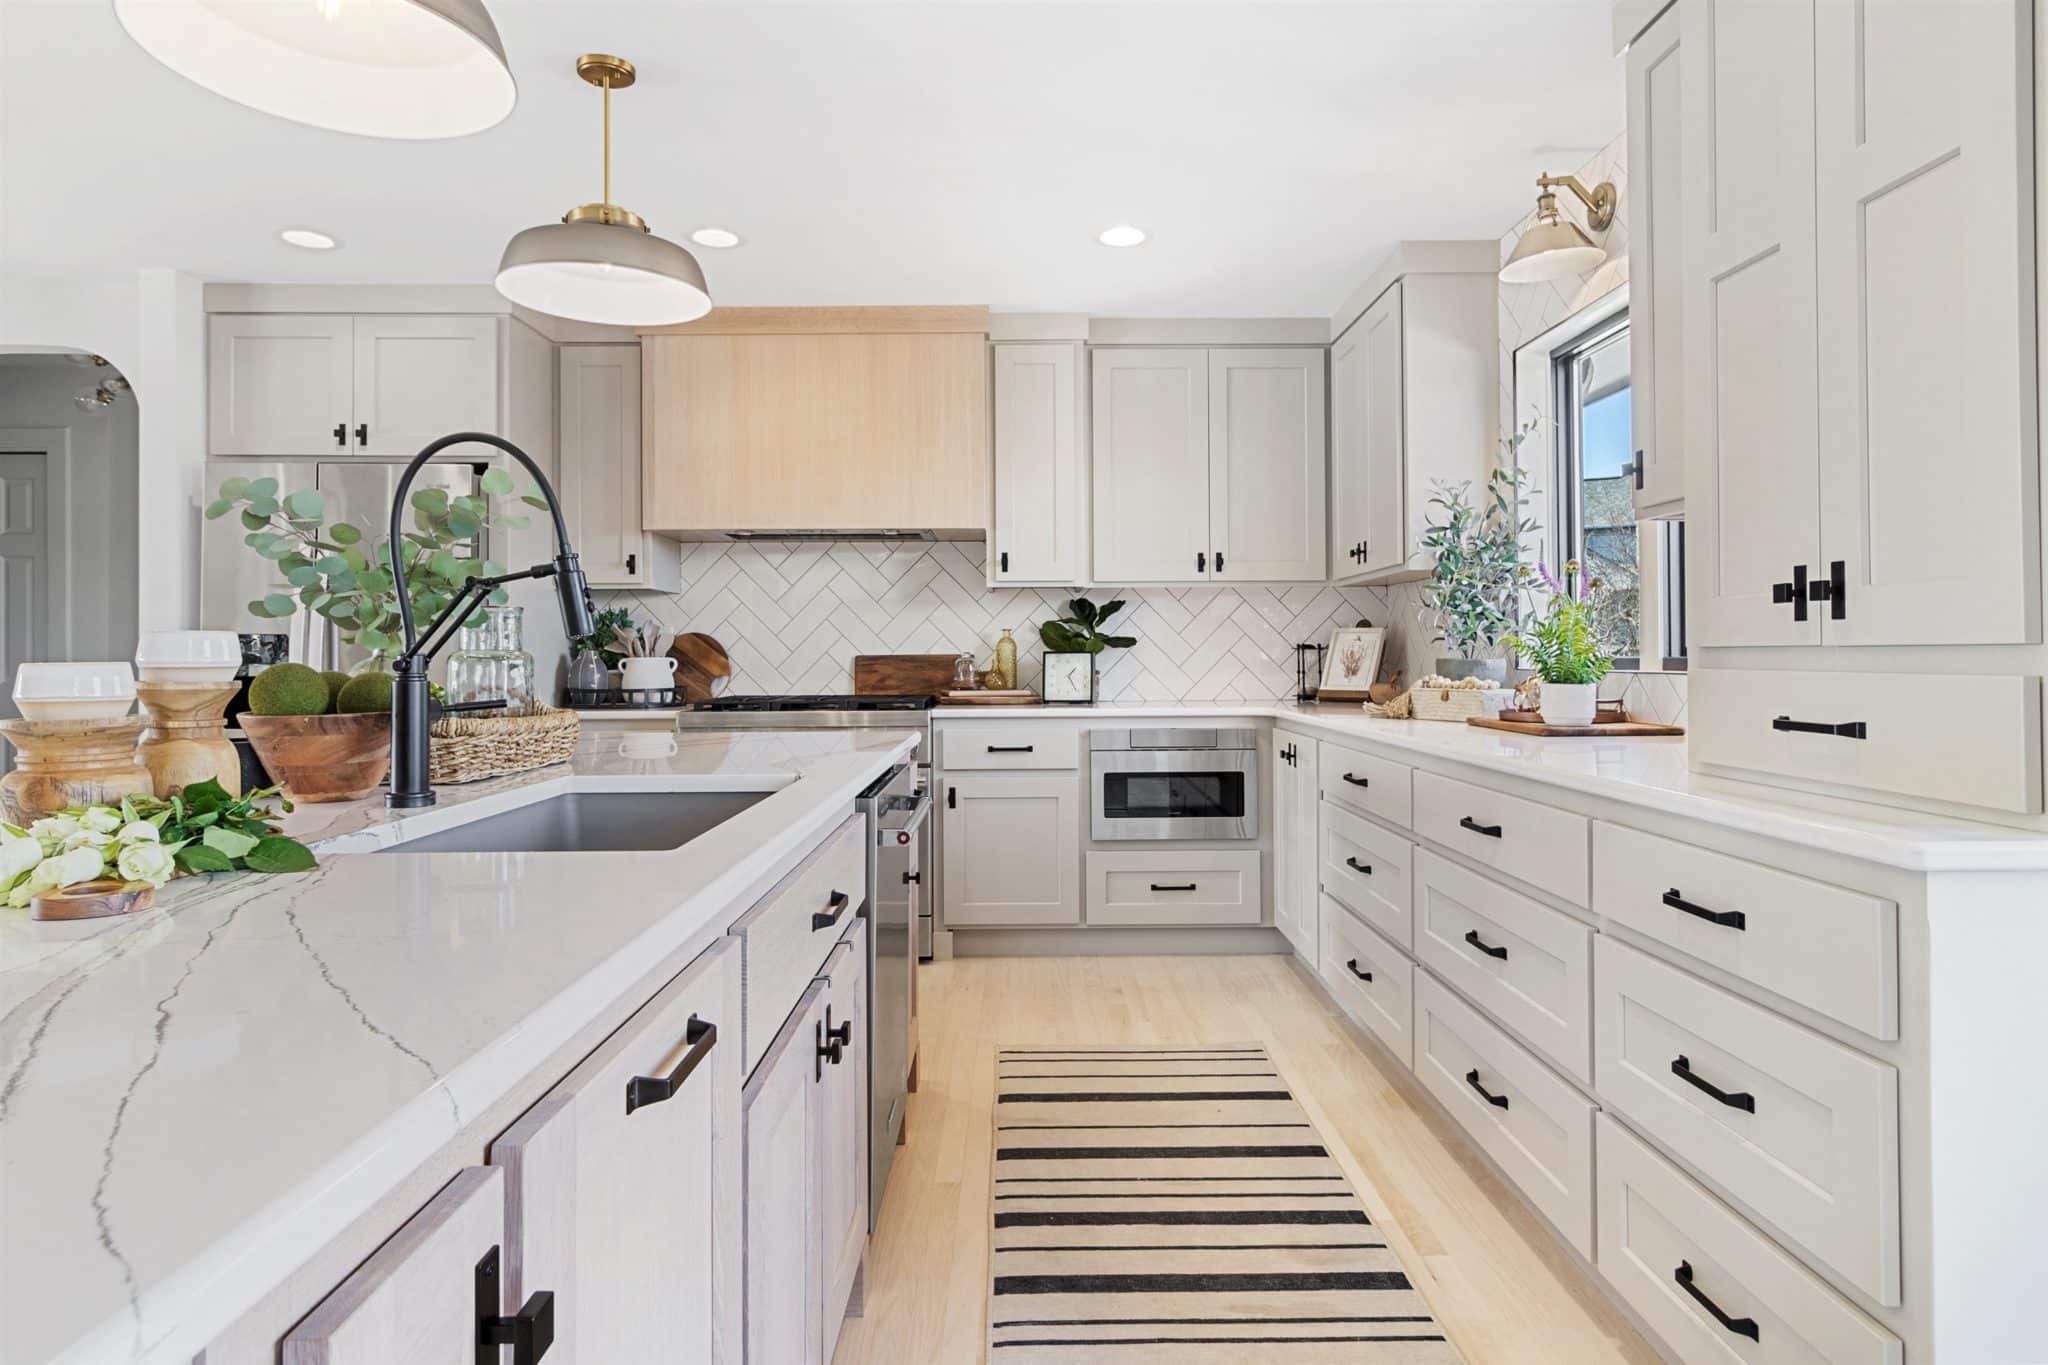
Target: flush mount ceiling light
x,y
1555,246
1123,235
715,237
600,263
307,238
381,68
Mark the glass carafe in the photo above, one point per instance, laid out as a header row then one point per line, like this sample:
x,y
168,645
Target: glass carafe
x,y
490,662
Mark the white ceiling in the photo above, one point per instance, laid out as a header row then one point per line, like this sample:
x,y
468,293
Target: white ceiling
x,y
942,152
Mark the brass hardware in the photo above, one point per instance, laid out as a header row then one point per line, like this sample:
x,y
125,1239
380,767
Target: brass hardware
x,y
607,73
1599,200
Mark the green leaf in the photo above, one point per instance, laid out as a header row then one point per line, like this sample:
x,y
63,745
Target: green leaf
x,y
218,508
205,795
252,522
432,501
304,576
278,604
356,560
228,842
280,853
307,503
263,507
1083,609
463,522
445,565
496,482
197,858
262,488
231,489
341,533
511,521
534,500
1120,641
331,564
294,560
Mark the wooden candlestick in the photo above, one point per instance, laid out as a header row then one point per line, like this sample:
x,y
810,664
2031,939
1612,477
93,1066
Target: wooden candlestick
x,y
185,739
63,763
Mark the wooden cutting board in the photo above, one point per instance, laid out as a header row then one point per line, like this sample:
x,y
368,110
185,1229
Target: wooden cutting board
x,y
903,675
1019,696
700,662
1621,727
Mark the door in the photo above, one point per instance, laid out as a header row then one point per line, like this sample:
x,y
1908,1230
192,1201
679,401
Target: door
x,y
599,481
624,1182
25,563
1656,266
1012,847
1041,512
1151,465
1348,511
1295,876
842,1138
1750,361
1267,517
1384,435
419,378
896,906
1925,198
783,1290
279,384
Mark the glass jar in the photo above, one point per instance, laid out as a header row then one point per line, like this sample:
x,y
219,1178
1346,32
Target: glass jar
x,y
1005,668
490,662
965,679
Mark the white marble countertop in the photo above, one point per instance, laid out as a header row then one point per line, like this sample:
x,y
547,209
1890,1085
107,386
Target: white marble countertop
x,y
195,1099
1643,771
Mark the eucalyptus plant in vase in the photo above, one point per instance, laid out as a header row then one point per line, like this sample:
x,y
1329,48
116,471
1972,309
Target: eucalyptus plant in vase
x,y
1477,578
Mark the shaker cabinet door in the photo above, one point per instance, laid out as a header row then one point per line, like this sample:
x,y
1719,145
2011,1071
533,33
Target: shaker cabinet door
x,y
1151,438
279,384
1012,848
1267,509
1383,436
1041,504
624,1183
599,471
842,1136
784,1289
418,379
1656,265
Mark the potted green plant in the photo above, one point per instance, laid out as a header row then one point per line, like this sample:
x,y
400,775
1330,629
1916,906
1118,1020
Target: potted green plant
x,y
1072,643
1563,645
1477,578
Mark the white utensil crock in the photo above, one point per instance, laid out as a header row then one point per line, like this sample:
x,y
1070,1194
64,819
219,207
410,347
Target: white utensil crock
x,y
648,674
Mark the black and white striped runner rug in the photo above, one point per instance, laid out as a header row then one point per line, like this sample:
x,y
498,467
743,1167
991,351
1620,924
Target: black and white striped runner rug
x,y
1174,1204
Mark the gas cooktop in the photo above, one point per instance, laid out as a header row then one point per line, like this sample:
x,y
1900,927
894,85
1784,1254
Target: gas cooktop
x,y
815,702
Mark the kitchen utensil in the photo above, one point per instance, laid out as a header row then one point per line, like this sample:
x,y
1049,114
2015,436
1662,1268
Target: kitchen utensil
x,y
324,758
903,675
1020,696
188,656
184,738
74,691
63,763
92,900
700,662
648,674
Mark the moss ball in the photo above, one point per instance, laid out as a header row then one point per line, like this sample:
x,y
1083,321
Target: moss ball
x,y
288,690
336,680
365,692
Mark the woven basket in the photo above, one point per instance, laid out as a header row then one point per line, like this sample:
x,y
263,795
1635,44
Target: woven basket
x,y
1455,703
471,748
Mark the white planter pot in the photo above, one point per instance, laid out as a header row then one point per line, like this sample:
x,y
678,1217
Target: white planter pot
x,y
1570,703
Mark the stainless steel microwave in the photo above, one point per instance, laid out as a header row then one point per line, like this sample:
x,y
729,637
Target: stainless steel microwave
x,y
1173,783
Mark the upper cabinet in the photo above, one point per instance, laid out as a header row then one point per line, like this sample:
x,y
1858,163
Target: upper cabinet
x,y
1414,402
599,480
1656,268
1040,528
1208,464
763,428
286,384
1859,288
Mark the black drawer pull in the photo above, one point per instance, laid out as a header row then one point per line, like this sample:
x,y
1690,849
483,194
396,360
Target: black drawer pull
x,y
1727,919
1355,780
1472,937
1362,976
843,1034
1189,887
1497,1101
1741,1327
644,1090
341,436
529,1332
1467,822
1734,1099
1357,866
825,919
1848,729
1009,748
362,433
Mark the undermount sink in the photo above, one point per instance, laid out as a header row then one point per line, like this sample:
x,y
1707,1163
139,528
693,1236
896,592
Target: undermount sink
x,y
590,822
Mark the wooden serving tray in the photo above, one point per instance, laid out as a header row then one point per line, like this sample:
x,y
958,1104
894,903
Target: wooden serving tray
x,y
1611,723
989,697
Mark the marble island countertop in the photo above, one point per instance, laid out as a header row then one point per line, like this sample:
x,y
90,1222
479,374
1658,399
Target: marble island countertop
x,y
195,1099
1645,771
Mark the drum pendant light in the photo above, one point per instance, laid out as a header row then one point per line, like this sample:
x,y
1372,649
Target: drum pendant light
x,y
380,68
601,263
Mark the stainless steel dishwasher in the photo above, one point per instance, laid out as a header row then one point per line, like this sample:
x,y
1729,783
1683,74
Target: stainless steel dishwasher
x,y
897,806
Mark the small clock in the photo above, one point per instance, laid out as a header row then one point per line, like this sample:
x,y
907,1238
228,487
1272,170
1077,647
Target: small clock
x,y
1069,678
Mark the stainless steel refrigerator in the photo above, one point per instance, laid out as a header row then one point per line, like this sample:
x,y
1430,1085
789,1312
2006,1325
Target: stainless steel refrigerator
x,y
231,575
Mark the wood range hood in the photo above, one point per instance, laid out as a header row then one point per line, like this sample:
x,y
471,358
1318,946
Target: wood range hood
x,y
813,422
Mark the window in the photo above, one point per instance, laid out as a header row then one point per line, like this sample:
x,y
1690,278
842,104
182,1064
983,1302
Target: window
x,y
1641,564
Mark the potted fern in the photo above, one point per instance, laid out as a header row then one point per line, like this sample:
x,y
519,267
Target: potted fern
x,y
1563,646
1477,578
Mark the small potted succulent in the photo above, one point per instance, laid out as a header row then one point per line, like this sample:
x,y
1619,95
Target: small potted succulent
x,y
1563,645
1477,578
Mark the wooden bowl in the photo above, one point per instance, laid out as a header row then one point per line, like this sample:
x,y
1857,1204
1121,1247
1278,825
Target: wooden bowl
x,y
323,758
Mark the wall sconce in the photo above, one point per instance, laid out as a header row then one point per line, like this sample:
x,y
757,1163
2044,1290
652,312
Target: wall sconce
x,y
1555,246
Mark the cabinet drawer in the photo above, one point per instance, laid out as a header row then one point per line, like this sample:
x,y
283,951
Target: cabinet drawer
x,y
1833,950
1525,963
1801,1130
1032,745
1536,1127
1372,980
1974,741
1174,886
1541,845
1368,869
1375,786
1659,1230
785,937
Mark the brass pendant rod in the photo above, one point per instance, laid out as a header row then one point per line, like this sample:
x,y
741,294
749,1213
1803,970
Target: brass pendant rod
x,y
607,139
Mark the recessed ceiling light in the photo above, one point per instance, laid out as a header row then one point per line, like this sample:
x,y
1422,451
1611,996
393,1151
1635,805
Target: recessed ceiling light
x,y
307,238
715,237
1124,235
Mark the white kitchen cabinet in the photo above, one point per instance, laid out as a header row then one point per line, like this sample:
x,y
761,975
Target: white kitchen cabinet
x,y
1415,402
1040,532
1297,912
1266,464
623,1182
419,378
279,384
1656,233
842,1140
1011,844
784,1279
600,472
1151,438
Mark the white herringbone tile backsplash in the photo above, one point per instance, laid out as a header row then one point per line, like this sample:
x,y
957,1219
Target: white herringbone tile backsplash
x,y
794,613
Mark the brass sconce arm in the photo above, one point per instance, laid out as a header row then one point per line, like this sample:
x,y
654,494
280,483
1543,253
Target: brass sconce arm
x,y
1599,200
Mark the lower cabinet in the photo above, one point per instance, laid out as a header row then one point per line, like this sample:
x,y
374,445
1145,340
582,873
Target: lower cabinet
x,y
1012,847
1372,979
1296,909
842,1139
1174,886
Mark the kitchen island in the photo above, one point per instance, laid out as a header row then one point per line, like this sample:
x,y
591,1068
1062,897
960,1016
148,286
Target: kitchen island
x,y
208,1112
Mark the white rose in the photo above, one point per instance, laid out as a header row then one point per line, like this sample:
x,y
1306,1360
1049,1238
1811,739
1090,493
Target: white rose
x,y
66,869
100,819
138,832
18,854
52,830
144,861
87,838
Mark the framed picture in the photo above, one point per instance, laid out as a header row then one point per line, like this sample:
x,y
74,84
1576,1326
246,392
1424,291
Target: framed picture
x,y
1068,677
1353,661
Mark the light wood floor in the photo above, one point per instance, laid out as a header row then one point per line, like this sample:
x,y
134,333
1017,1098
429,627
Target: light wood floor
x,y
1502,1287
